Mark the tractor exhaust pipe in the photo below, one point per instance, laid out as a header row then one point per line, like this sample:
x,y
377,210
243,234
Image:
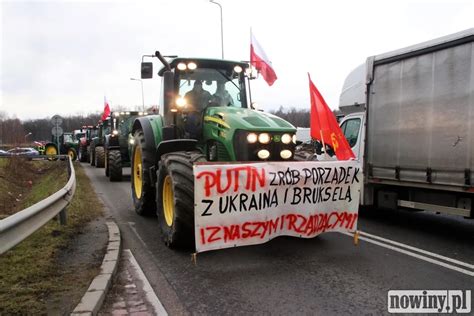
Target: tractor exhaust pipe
x,y
163,60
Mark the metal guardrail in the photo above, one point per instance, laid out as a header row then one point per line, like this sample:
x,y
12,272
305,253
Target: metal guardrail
x,y
15,228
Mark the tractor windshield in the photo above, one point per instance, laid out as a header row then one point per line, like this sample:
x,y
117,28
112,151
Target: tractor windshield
x,y
209,86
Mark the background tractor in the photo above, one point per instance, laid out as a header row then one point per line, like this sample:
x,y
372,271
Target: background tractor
x,y
96,147
117,144
84,143
165,147
68,145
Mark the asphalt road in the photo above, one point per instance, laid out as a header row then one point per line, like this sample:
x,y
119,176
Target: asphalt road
x,y
326,275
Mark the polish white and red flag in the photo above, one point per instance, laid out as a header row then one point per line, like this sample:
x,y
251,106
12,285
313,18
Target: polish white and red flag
x,y
106,110
261,62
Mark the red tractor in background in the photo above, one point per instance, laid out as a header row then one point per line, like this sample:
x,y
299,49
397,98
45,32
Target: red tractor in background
x,y
84,142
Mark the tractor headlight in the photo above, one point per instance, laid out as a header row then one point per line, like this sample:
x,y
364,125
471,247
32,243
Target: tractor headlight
x,y
263,154
286,154
180,102
252,138
131,141
264,138
294,139
115,132
286,138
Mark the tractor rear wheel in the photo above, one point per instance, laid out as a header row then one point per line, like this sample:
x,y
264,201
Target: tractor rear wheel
x,y
143,193
115,165
82,154
50,150
175,197
99,157
72,153
92,155
106,163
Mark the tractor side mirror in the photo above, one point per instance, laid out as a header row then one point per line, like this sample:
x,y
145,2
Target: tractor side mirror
x,y
147,70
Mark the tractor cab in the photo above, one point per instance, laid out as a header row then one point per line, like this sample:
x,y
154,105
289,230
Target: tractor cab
x,y
206,104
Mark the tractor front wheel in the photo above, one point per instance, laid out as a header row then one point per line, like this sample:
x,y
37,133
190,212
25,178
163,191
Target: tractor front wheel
x,y
115,165
143,193
99,157
72,153
175,197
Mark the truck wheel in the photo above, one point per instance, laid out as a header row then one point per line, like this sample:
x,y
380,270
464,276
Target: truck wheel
x,y
175,198
115,165
143,193
99,157
72,153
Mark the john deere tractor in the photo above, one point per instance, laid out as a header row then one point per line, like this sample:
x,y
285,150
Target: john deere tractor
x,y
117,144
68,145
165,147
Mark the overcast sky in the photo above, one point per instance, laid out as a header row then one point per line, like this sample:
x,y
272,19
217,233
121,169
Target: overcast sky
x,y
63,57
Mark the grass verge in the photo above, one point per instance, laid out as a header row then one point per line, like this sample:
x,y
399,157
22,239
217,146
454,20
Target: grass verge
x,y
31,273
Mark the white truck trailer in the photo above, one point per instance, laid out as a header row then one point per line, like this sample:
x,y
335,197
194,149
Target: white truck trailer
x,y
410,121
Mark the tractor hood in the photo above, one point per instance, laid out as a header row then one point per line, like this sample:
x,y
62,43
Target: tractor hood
x,y
246,119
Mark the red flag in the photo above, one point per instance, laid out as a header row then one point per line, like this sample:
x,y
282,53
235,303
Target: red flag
x,y
324,127
106,110
260,61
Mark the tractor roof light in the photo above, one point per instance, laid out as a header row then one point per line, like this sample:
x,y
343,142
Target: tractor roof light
x,y
252,138
174,110
238,69
140,113
131,141
182,66
115,132
192,66
127,113
263,154
116,114
122,113
264,138
286,138
286,154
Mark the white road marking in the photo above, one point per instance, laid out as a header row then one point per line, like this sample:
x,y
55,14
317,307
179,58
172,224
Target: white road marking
x,y
431,254
132,227
415,255
149,293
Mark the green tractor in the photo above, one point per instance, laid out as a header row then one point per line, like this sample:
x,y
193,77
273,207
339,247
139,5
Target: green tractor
x,y
117,144
165,147
68,145
96,147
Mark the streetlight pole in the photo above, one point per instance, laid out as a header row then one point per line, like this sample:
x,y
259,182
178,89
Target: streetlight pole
x,y
222,27
27,136
143,97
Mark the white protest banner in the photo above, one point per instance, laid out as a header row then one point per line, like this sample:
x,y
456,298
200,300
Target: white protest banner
x,y
248,204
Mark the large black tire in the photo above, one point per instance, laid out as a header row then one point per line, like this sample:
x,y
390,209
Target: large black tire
x,y
92,155
177,226
115,165
143,193
99,157
72,153
82,154
106,163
